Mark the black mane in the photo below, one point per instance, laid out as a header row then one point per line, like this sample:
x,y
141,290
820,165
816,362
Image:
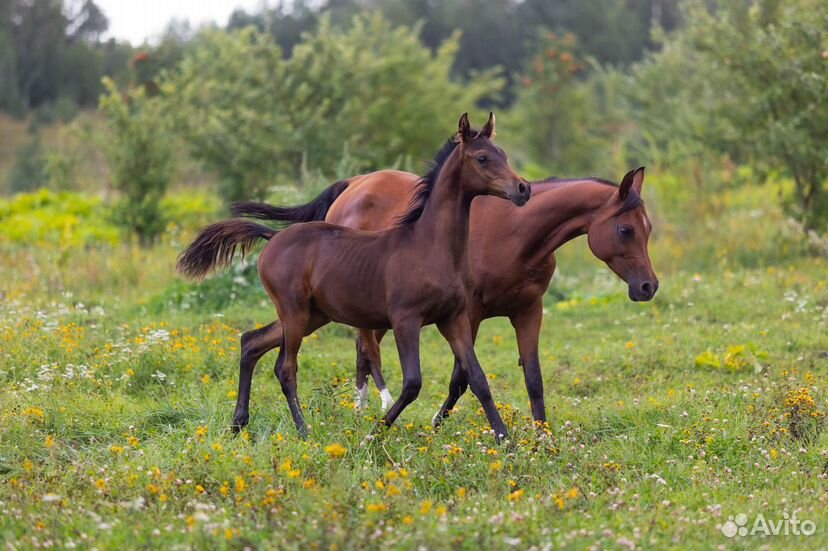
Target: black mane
x,y
426,183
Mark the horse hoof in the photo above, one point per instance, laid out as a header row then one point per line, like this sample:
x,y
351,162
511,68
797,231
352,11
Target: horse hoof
x,y
387,399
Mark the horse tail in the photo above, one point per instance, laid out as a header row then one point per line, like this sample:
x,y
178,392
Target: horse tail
x,y
315,210
215,245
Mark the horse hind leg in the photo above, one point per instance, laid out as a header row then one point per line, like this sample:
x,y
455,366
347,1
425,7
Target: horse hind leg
x,y
376,371
363,369
254,345
369,362
295,326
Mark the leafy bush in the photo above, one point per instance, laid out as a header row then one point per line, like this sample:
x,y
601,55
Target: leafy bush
x,y
140,154
238,286
372,91
67,219
29,171
190,209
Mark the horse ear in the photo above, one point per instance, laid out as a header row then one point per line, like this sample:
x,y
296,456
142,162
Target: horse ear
x,y
633,179
489,130
464,128
638,179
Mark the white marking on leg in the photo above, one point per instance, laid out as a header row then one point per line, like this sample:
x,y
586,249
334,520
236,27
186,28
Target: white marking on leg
x,y
387,399
362,397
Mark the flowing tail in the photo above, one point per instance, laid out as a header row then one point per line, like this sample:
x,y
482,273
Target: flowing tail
x,y
314,211
215,245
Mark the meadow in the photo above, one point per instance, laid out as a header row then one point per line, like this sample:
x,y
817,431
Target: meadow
x,y
667,419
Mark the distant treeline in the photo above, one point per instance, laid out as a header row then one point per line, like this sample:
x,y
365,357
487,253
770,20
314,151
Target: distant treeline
x,y
52,57
501,33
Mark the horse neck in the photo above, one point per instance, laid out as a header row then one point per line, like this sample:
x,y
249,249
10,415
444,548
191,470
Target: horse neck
x,y
444,223
560,214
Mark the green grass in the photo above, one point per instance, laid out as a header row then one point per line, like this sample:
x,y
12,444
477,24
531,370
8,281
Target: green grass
x,y
116,400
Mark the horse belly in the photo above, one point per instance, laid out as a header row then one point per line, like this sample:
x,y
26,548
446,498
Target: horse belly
x,y
506,298
350,301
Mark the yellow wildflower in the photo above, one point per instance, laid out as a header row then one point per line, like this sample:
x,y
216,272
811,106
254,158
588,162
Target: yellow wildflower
x,y
241,485
517,494
335,451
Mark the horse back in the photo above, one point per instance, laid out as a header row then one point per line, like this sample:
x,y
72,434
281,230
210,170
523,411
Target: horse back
x,y
374,201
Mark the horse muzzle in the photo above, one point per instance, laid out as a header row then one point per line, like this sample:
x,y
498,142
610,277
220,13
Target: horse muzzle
x,y
643,291
520,193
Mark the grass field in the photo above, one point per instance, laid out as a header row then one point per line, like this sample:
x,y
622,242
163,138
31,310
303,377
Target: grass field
x,y
117,386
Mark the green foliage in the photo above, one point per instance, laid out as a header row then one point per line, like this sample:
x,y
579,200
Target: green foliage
x,y
61,170
748,80
556,119
373,89
493,33
75,220
238,287
29,171
65,219
140,155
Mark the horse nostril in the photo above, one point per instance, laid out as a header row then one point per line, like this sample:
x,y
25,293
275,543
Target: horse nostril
x,y
647,288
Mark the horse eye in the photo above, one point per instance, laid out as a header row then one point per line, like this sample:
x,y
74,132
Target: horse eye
x,y
482,159
625,231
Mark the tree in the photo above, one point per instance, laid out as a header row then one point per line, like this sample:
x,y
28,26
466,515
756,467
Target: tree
x,y
556,118
140,156
750,81
50,53
252,115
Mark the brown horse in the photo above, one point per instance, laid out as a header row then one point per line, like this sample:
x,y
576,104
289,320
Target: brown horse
x,y
412,275
511,253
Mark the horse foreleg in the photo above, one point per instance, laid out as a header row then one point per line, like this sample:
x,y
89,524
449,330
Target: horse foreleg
x,y
459,382
527,326
457,332
457,387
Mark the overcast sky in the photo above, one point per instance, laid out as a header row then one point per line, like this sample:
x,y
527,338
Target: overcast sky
x,y
139,20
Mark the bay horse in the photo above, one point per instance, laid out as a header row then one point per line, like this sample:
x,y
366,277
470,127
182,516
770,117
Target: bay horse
x,y
414,274
511,253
